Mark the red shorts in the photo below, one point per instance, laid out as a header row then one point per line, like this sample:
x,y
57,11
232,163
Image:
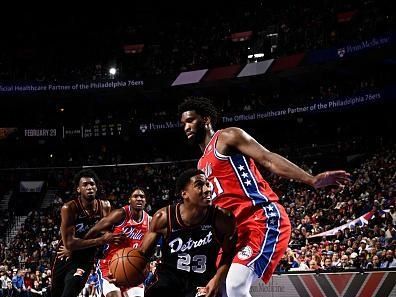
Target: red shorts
x,y
104,267
263,238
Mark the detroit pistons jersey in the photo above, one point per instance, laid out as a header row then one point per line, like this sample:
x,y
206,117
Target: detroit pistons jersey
x,y
85,221
237,183
190,251
134,232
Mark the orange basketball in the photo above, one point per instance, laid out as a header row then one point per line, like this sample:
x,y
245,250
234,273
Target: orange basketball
x,y
128,267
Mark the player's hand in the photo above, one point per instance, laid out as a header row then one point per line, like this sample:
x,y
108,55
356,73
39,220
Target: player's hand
x,y
63,253
109,237
328,178
212,288
201,292
112,280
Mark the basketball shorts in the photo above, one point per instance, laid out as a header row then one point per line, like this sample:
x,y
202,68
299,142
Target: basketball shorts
x,y
263,238
168,282
108,287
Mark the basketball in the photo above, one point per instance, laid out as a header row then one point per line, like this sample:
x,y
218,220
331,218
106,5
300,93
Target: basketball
x,y
128,267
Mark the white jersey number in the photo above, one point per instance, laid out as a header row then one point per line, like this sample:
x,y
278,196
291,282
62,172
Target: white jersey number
x,y
216,188
198,263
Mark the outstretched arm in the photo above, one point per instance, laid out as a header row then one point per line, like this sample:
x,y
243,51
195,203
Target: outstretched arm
x,y
115,217
237,139
158,228
70,241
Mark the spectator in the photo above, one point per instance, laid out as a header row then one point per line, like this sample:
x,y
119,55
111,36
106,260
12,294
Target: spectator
x,y
374,263
390,233
4,279
389,261
10,291
344,262
150,276
335,260
392,214
313,265
18,284
327,265
36,290
292,263
363,246
92,284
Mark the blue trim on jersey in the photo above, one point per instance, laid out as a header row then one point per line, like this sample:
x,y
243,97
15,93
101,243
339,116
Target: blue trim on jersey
x,y
100,276
247,179
262,260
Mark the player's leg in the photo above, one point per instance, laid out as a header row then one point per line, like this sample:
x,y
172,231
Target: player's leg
x,y
59,270
75,281
251,237
239,280
262,240
161,288
164,284
282,228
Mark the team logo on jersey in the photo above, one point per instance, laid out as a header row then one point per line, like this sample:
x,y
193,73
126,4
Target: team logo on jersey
x,y
177,244
81,227
133,233
245,253
206,227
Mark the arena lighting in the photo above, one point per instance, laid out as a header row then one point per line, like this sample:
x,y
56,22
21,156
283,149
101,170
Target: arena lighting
x,y
112,71
259,55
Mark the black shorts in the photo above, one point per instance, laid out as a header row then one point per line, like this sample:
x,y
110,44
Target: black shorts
x,y
168,282
69,277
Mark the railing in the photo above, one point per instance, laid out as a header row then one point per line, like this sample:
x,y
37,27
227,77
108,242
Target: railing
x,y
376,283
12,220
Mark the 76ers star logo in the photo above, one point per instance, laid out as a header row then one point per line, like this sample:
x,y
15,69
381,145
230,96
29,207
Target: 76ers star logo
x,y
245,253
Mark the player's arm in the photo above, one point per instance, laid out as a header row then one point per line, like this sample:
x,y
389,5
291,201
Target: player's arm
x,y
106,207
115,217
238,139
158,228
226,234
73,243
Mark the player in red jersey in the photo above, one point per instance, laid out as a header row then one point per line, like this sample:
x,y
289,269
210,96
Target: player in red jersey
x,y
132,221
228,160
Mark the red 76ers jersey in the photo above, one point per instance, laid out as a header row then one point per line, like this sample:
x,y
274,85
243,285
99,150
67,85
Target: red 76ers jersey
x,y
134,232
236,181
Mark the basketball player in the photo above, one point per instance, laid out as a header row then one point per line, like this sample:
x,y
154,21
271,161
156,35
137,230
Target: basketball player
x,y
193,232
132,221
78,216
228,161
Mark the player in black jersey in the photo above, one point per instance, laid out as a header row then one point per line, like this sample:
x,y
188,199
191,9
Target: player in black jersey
x,y
78,216
193,233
